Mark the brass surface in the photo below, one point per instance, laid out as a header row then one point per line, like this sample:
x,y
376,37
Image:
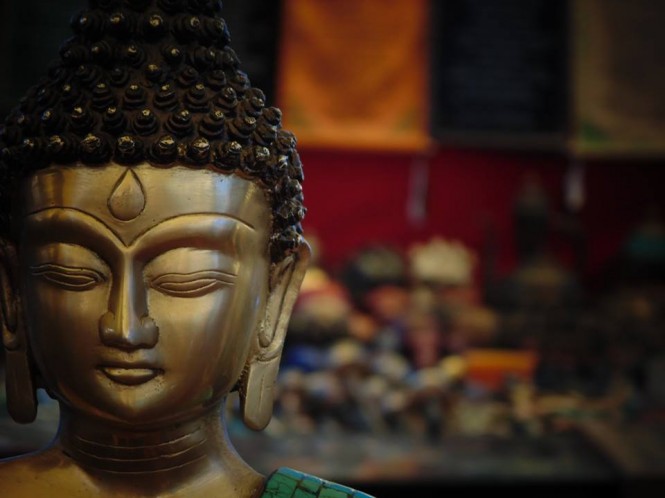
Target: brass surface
x,y
144,295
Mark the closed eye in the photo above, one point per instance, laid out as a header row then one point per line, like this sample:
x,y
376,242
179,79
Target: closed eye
x,y
192,284
68,277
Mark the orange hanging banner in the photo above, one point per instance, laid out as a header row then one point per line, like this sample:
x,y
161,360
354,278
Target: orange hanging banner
x,y
355,73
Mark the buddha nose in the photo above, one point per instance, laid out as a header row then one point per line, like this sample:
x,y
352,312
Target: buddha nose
x,y
126,325
128,334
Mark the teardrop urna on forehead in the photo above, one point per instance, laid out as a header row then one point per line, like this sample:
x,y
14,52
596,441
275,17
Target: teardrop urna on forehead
x,y
150,256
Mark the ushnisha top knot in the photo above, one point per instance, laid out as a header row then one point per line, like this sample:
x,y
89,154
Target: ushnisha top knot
x,y
154,81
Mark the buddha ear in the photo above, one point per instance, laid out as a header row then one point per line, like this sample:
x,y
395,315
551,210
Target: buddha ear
x,y
8,298
21,394
258,381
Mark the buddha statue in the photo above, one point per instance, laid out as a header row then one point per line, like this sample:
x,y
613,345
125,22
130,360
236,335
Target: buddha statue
x,y
151,254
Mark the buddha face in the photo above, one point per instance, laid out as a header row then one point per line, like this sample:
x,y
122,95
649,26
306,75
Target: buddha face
x,y
143,287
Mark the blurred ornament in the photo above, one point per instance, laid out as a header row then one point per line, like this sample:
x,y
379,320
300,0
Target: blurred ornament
x,y
442,262
345,354
371,268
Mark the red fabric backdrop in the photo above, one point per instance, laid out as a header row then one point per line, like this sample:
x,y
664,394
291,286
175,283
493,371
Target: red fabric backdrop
x,y
356,199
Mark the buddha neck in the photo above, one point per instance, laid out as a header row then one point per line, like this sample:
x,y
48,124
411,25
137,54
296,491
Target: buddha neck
x,y
95,445
197,450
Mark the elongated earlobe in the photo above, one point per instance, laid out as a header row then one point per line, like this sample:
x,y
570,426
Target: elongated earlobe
x,y
21,394
258,381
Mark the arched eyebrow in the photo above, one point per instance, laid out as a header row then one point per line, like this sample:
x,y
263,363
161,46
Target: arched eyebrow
x,y
70,226
215,231
196,230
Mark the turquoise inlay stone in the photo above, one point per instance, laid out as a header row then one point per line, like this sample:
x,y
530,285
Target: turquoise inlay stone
x,y
335,486
333,493
310,483
285,471
280,486
303,493
289,483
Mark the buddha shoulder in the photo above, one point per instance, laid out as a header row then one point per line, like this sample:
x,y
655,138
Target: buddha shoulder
x,y
41,474
289,483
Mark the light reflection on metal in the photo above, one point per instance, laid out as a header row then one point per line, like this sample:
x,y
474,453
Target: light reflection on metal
x,y
144,305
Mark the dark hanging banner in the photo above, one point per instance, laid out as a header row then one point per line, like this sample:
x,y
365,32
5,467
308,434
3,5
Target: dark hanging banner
x,y
499,71
618,78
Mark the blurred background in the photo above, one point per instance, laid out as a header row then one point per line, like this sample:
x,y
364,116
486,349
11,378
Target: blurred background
x,y
485,191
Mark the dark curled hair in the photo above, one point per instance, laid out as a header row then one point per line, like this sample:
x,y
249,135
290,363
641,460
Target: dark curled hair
x,y
155,81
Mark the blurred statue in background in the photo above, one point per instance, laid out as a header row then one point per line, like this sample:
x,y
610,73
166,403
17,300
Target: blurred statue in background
x,y
151,255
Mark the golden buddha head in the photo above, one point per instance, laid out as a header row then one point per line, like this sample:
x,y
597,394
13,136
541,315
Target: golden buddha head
x,y
151,209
